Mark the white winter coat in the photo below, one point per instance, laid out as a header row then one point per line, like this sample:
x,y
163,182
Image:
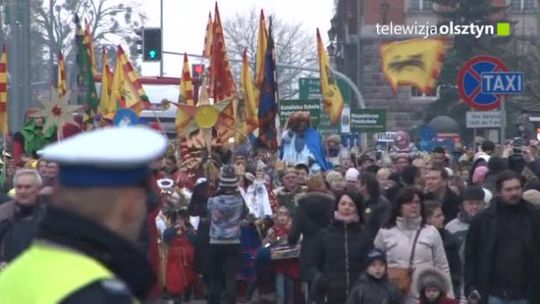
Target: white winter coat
x,y
397,243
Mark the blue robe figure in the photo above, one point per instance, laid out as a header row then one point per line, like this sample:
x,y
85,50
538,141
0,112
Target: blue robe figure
x,y
300,143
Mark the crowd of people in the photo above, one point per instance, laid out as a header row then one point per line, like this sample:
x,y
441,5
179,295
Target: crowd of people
x,y
405,227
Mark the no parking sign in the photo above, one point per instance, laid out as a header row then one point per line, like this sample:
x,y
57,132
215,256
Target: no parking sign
x,y
469,82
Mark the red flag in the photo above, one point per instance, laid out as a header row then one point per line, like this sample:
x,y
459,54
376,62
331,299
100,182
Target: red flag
x,y
222,81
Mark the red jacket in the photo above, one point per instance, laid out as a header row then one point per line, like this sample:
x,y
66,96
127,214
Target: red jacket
x,y
443,300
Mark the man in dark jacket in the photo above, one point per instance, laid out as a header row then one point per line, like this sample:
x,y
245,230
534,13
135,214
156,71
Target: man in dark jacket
x,y
501,251
377,207
314,212
19,218
437,189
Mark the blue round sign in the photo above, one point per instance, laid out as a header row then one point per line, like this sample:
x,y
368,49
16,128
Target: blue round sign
x,y
125,117
469,82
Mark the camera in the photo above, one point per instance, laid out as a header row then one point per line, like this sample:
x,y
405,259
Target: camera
x,y
517,144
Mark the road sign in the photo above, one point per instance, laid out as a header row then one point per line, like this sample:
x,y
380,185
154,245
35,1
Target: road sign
x,y
368,120
309,88
385,137
287,107
125,117
503,83
469,82
484,119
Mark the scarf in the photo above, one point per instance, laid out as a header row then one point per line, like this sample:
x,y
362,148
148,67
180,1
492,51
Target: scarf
x,y
347,219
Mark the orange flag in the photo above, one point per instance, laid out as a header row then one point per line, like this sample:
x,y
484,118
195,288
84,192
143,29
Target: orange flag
x,y
127,91
222,81
208,37
61,84
3,92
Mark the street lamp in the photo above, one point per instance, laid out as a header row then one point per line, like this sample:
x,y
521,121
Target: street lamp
x,y
331,34
331,49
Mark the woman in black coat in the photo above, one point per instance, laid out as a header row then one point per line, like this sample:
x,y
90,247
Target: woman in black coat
x,y
338,253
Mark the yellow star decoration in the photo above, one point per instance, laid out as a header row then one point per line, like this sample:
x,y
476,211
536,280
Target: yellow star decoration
x,y
56,111
203,115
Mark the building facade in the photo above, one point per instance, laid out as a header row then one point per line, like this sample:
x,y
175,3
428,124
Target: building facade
x,y
356,48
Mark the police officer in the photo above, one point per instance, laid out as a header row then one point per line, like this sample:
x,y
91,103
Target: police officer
x,y
85,251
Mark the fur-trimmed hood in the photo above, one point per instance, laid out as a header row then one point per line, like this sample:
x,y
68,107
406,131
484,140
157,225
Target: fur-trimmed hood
x,y
432,277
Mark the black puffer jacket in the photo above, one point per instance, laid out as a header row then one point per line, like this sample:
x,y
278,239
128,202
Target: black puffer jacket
x,y
369,290
451,248
337,258
315,211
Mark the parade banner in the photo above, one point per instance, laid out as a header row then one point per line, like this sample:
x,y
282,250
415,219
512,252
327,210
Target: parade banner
x,y
332,98
106,104
222,84
251,103
413,62
262,43
368,120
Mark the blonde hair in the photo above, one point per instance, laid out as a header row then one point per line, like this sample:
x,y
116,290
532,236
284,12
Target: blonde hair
x,y
334,176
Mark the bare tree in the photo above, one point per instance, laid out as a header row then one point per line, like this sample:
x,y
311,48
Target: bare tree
x,y
109,20
293,46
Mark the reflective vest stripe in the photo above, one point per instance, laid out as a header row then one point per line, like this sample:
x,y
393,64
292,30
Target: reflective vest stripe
x,y
46,274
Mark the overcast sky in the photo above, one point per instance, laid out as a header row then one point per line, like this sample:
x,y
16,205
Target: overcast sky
x,y
185,22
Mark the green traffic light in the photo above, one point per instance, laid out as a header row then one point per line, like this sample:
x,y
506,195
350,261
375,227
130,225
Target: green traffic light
x,y
152,54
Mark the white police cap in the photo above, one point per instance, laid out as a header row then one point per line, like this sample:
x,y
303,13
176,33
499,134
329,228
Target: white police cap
x,y
106,157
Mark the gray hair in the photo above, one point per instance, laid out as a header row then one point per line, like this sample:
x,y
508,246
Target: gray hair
x,y
31,172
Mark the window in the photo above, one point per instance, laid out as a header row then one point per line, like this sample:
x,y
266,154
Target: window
x,y
521,5
416,94
420,5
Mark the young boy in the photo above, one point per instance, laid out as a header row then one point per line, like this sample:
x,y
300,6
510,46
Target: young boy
x,y
433,286
373,286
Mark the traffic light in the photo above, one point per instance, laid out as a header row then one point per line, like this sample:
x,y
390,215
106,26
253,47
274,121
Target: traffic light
x,y
152,44
197,70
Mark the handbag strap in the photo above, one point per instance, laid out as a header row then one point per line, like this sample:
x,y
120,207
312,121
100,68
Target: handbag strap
x,y
414,247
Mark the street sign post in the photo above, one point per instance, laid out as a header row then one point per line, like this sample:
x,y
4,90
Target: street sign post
x,y
483,119
483,83
368,120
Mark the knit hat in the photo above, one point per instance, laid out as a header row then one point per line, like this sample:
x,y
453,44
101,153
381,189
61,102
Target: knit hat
x,y
374,255
228,178
473,193
351,175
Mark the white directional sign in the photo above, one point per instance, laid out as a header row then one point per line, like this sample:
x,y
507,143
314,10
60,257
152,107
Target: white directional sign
x,y
484,119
